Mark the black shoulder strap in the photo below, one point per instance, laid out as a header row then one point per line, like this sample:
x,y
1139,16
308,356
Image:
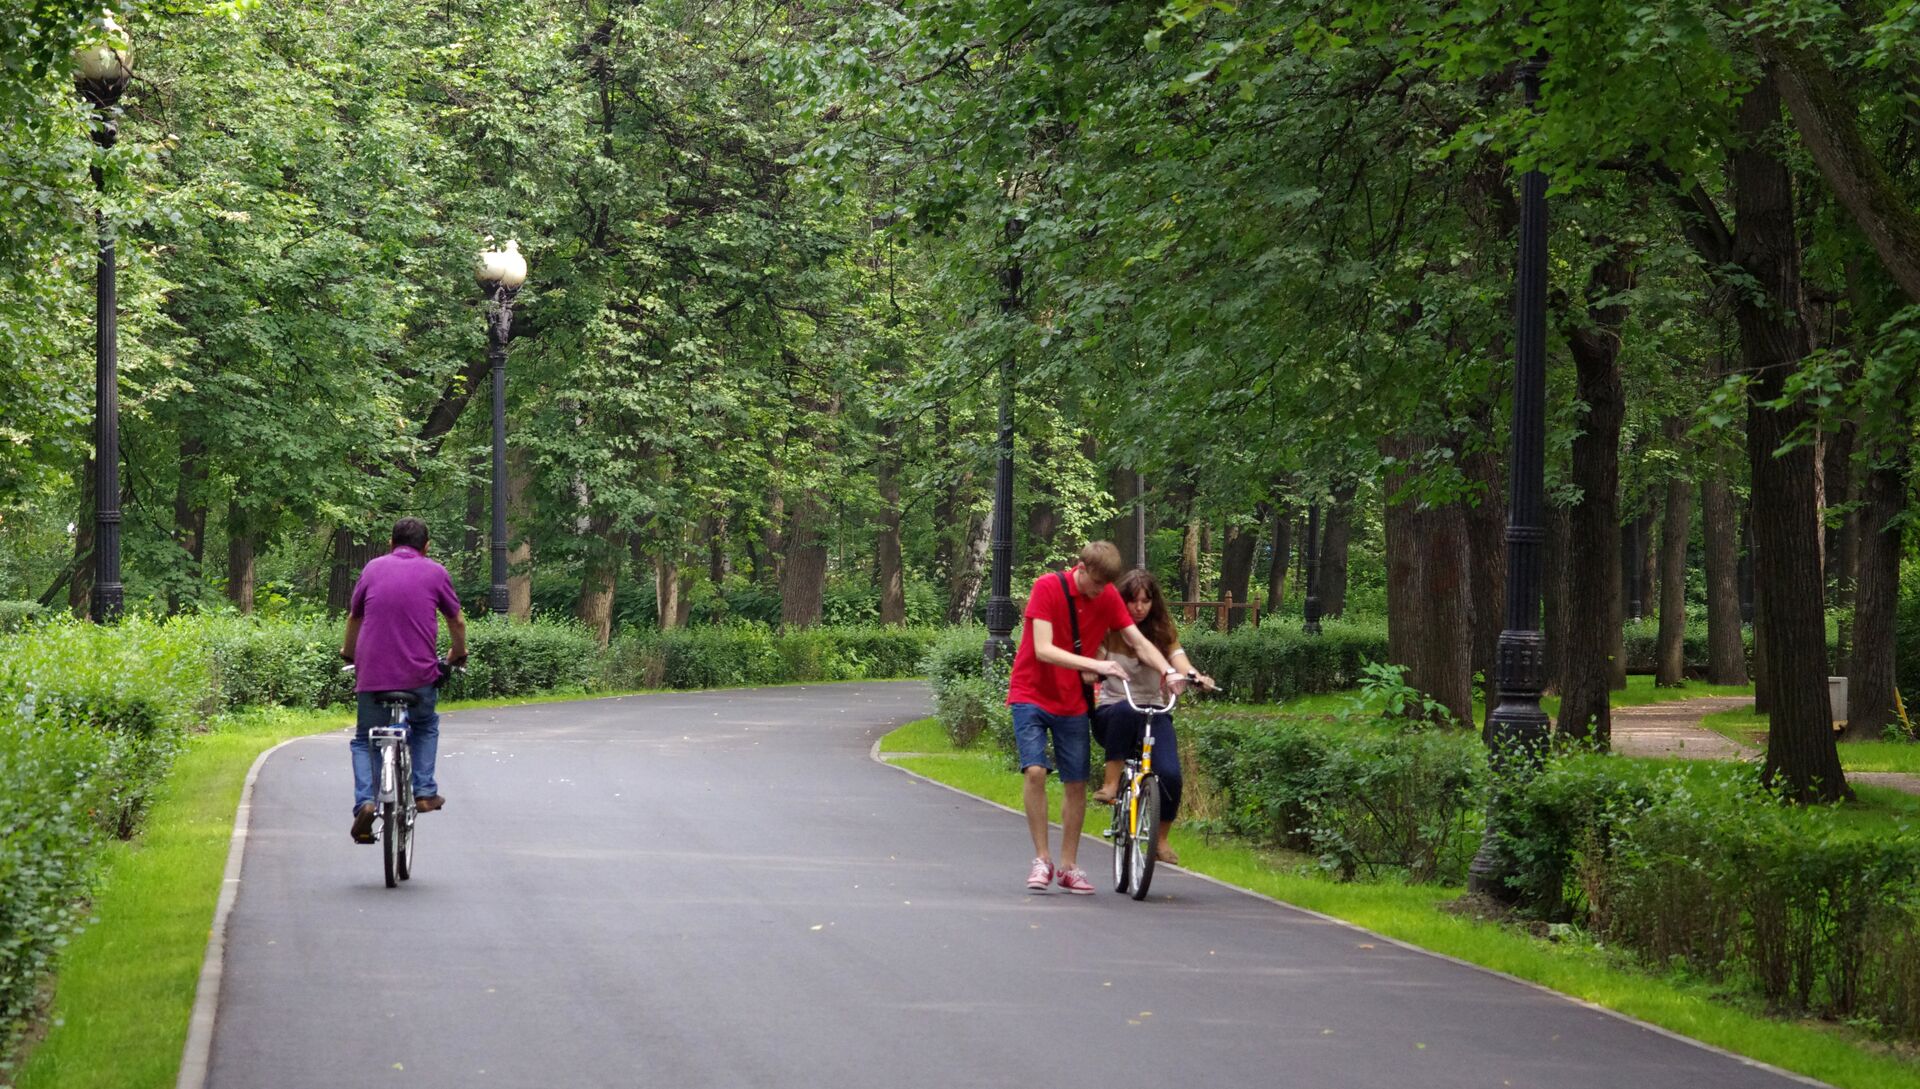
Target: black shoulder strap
x,y
1073,614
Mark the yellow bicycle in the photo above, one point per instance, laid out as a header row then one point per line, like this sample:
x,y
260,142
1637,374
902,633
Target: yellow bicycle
x,y
1136,808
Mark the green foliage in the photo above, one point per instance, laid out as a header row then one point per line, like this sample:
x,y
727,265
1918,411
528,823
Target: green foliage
x,y
513,659
1816,909
1278,661
15,615
1365,796
728,655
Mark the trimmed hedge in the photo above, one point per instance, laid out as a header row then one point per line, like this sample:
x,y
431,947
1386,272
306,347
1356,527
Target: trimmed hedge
x,y
724,655
1813,909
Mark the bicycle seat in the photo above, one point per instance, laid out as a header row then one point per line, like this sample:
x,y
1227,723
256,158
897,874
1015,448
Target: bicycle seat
x,y
407,698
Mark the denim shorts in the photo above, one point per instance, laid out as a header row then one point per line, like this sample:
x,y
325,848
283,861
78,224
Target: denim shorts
x,y
1072,742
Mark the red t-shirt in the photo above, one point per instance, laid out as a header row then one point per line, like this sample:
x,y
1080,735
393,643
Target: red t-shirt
x,y
1052,688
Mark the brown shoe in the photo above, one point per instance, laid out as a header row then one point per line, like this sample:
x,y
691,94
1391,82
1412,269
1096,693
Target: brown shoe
x,y
363,824
429,803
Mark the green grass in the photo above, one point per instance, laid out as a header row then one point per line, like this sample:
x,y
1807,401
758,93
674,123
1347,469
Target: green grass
x,y
1639,692
1749,728
126,983
1416,914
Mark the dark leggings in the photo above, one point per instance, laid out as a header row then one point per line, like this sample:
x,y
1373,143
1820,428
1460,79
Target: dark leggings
x,y
1119,729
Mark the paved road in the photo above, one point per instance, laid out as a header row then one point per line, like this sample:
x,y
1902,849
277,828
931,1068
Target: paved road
x,y
722,890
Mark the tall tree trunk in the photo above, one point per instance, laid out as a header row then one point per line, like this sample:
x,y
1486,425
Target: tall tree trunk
x,y
474,527
1556,595
1593,540
1123,527
1670,655
1726,650
1486,525
1190,560
240,557
519,536
1446,658
599,577
190,514
719,558
803,570
886,538
1279,559
1801,757
1334,550
666,589
1406,613
1236,567
1871,679
351,551
80,586
969,568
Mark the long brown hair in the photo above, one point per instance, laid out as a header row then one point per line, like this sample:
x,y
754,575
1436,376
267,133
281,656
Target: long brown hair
x,y
1158,625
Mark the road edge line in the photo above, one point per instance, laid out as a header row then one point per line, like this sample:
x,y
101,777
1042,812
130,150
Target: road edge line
x,y
875,755
196,1056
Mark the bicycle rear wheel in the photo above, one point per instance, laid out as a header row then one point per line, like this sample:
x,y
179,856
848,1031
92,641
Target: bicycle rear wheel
x,y
389,842
1145,825
1122,848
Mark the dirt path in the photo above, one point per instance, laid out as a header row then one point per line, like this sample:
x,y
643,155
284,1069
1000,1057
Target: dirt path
x,y
1674,730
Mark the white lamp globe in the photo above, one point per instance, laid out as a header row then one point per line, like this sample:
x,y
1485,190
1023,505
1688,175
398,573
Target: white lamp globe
x,y
109,58
505,267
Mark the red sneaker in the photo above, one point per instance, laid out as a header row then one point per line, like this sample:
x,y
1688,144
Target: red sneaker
x,y
1075,881
1042,875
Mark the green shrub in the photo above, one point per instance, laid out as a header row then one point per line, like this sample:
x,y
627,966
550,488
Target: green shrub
x,y
1811,907
1278,661
138,684
282,662
15,615
509,658
1364,796
50,778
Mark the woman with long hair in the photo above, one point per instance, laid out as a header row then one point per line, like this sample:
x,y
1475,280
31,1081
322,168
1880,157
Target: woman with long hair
x,y
1118,726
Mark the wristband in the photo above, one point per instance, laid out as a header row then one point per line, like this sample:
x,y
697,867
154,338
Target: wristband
x,y
1172,672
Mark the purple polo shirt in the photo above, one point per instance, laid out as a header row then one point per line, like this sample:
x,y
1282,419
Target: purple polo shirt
x,y
394,601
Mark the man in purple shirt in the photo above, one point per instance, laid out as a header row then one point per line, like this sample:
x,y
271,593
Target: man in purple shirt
x,y
392,637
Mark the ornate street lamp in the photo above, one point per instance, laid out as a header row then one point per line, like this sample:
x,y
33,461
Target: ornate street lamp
x,y
101,73
500,272
1517,729
1001,615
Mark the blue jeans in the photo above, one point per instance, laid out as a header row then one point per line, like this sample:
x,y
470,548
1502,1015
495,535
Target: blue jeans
x,y
1072,744
423,739
1120,729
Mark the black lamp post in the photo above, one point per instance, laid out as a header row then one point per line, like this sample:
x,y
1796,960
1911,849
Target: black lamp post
x,y
1311,607
1517,729
101,73
1001,616
500,272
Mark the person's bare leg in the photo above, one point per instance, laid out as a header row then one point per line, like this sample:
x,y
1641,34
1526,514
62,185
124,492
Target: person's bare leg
x,y
1161,851
1033,798
1110,783
1073,815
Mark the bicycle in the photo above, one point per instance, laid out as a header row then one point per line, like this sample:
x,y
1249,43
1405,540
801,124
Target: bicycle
x,y
394,803
393,785
1136,808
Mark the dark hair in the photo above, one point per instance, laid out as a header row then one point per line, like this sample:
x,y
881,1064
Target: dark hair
x,y
1158,625
410,533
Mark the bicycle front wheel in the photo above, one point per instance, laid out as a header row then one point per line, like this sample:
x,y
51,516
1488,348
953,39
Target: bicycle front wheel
x,y
1146,825
1122,845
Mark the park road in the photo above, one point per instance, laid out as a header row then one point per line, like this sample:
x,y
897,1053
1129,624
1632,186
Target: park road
x,y
721,889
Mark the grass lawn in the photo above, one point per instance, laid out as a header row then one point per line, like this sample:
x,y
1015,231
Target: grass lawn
x,y
1415,914
1640,691
1751,729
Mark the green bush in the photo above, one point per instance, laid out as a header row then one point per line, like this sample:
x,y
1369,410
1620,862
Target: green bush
x,y
1278,661
734,654
51,781
138,684
282,662
15,615
1365,796
508,658
1813,908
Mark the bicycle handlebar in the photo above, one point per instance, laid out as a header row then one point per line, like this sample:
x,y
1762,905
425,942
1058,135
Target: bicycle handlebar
x,y
1151,709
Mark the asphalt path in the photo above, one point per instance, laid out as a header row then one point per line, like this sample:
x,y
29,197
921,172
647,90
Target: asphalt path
x,y
722,889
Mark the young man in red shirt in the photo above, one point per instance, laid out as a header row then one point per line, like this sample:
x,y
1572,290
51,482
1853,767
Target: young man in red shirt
x,y
1048,696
